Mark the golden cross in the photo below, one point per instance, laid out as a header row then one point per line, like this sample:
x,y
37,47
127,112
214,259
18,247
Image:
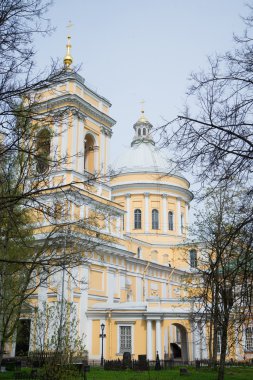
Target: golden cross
x,y
142,105
70,25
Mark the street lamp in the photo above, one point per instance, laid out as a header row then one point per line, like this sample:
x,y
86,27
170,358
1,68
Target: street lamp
x,y
102,336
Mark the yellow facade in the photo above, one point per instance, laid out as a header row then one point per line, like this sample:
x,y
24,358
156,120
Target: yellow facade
x,y
135,280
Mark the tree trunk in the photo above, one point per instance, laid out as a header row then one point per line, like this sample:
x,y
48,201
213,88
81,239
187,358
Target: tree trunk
x,y
215,325
224,337
1,351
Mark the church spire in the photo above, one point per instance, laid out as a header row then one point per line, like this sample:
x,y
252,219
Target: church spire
x,y
68,57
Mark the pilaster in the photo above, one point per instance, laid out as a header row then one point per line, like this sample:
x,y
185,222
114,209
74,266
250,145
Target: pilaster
x,y
165,213
128,212
146,211
179,232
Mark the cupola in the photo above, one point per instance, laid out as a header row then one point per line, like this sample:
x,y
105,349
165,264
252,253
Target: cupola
x,y
142,130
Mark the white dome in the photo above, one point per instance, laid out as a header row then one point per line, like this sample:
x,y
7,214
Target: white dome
x,y
142,157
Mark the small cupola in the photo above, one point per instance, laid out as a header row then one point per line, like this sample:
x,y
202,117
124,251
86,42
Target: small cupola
x,y
142,131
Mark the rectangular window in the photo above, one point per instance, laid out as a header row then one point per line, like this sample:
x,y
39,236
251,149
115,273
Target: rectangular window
x,y
155,219
137,219
249,339
125,339
218,341
193,259
171,221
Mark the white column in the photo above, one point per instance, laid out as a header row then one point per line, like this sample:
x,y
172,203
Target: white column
x,y
108,135
64,139
82,318
149,339
194,342
74,149
204,354
197,341
128,212
118,220
139,289
165,214
166,341
158,337
110,285
55,154
146,211
96,164
179,216
239,342
186,217
81,143
102,150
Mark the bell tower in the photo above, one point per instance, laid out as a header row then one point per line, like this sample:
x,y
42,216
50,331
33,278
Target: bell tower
x,y
81,138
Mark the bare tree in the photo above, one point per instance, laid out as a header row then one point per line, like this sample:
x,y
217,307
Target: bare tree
x,y
39,237
224,275
214,135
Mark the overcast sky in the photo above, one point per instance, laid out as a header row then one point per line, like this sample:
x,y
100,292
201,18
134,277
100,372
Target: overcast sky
x,y
141,49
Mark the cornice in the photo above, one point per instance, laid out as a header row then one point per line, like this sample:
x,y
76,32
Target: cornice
x,y
74,77
163,174
118,190
78,103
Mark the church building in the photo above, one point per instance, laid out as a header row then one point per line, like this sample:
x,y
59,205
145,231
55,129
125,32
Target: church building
x,y
135,283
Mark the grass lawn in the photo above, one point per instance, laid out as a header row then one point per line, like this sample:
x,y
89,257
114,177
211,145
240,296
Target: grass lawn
x,y
203,374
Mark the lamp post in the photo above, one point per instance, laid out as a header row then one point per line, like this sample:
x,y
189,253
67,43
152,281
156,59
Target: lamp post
x,y
102,336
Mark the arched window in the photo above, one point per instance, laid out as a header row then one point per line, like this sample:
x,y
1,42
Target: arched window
x,y
89,162
43,146
139,132
144,131
139,252
137,219
193,258
155,219
171,220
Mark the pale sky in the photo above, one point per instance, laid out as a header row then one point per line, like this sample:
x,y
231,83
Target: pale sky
x,y
141,49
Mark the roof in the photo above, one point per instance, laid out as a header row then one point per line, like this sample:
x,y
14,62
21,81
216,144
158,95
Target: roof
x,y
142,157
